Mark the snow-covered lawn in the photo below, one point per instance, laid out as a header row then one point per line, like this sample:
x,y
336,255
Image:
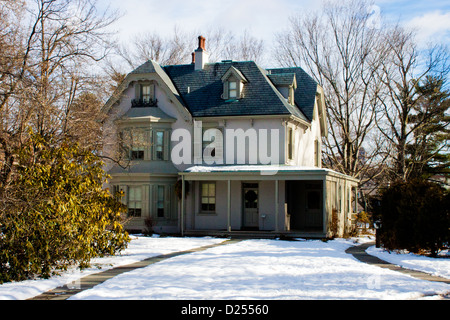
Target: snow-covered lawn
x,y
265,269
139,248
250,269
438,267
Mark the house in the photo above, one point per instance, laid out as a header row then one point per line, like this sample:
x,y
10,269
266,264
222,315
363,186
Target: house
x,y
222,148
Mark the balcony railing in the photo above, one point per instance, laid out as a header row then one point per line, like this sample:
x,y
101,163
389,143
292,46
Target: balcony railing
x,y
142,103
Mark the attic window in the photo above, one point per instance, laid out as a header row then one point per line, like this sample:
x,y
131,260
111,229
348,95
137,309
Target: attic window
x,y
233,84
144,95
232,89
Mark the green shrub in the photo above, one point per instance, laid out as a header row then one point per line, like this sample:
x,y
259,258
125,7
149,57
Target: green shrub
x,y
415,216
56,213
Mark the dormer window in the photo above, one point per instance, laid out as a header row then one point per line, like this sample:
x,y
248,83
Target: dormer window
x,y
232,89
144,95
233,84
286,83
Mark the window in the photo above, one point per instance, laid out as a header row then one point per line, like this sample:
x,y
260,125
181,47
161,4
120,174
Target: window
x,y
134,201
233,84
290,144
160,202
208,197
316,153
132,143
116,192
212,140
232,89
137,146
146,93
159,145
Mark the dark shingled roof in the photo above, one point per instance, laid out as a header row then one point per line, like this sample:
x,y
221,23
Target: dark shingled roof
x,y
305,94
200,91
282,79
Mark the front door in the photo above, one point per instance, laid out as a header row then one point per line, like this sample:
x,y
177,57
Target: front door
x,y
250,204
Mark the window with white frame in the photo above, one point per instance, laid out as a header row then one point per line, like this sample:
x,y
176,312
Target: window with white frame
x,y
208,197
146,93
233,84
134,201
232,89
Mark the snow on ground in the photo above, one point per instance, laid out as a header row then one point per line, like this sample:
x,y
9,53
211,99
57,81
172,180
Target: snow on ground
x,y
435,266
139,248
265,269
250,269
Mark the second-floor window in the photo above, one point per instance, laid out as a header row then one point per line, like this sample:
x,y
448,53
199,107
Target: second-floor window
x,y
144,143
290,144
137,147
159,145
316,153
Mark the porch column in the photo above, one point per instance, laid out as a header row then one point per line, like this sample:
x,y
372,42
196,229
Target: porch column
x,y
183,193
276,205
229,207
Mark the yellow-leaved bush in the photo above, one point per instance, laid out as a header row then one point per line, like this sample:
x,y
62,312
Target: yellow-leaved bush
x,y
55,212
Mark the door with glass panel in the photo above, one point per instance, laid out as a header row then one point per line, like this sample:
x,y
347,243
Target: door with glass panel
x,y
250,205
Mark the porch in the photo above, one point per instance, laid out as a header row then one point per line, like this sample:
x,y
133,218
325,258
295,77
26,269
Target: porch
x,y
265,202
259,234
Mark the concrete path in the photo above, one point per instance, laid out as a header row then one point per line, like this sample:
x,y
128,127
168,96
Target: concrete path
x,y
359,252
90,281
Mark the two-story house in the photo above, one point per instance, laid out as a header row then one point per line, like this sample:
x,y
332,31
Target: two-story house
x,y
222,148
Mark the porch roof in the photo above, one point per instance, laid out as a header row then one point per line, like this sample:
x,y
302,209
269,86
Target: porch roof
x,y
260,172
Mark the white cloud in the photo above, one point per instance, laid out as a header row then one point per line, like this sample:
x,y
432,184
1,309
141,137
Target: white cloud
x,y
432,27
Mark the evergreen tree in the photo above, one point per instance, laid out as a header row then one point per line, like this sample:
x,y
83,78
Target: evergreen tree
x,y
428,152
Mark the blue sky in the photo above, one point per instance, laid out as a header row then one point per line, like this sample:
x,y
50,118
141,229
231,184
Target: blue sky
x,y
263,18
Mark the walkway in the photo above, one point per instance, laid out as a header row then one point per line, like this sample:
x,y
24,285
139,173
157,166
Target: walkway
x,y
90,281
359,252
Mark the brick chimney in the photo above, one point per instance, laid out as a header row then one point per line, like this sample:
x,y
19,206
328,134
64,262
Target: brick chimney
x,y
201,56
201,42
193,58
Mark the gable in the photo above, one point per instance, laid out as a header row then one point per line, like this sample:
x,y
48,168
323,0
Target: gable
x,y
153,73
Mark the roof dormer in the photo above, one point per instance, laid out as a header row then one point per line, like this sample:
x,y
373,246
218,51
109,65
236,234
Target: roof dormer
x,y
286,83
233,84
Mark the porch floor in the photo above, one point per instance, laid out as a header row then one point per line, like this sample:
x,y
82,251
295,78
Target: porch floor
x,y
257,234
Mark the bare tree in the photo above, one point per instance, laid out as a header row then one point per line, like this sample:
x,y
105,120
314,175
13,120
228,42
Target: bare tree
x,y
177,48
46,68
342,50
403,70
